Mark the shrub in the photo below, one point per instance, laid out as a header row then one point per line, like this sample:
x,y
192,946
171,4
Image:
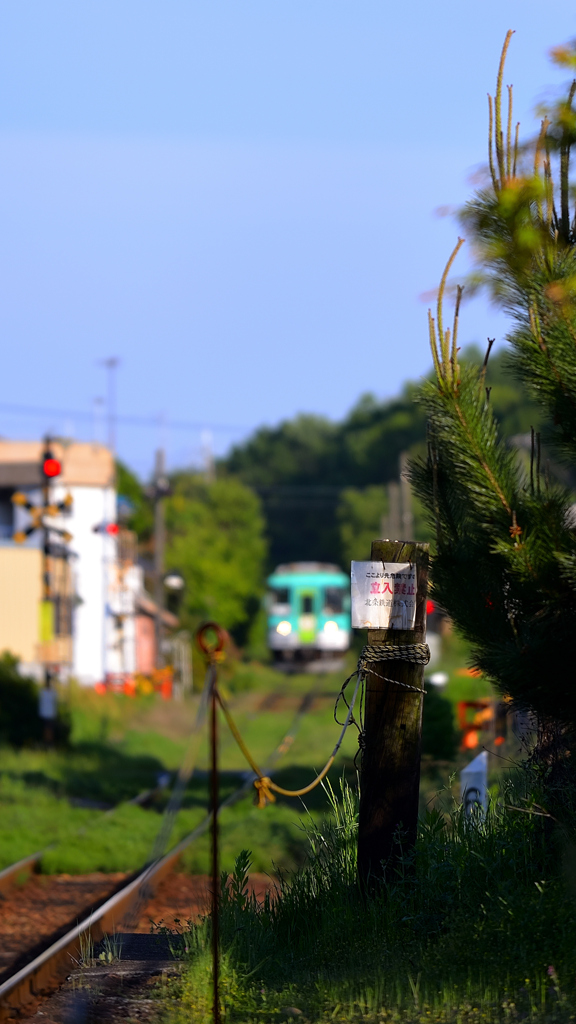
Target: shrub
x,y
19,720
439,736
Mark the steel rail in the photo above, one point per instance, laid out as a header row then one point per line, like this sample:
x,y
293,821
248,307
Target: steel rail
x,y
50,967
19,870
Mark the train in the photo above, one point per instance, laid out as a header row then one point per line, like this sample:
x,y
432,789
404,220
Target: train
x,y
308,610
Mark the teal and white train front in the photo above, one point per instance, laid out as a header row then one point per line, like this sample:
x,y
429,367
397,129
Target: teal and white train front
x,y
308,608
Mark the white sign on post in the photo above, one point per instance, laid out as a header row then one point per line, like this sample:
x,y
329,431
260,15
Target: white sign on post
x,y
383,595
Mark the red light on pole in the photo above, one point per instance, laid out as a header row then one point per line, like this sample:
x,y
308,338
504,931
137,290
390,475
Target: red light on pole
x,y
112,529
51,467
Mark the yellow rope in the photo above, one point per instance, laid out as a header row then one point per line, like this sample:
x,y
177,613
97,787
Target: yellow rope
x,y
264,786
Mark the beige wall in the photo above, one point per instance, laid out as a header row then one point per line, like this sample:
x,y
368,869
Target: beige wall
x,y
20,594
83,464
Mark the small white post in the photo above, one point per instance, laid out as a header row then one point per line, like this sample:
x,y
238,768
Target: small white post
x,y
474,784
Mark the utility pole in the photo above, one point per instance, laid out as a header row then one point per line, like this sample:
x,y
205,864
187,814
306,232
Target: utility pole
x,y
97,416
208,456
390,774
47,597
406,498
399,522
111,365
392,523
161,489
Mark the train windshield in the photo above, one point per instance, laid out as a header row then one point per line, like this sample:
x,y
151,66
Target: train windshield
x,y
334,600
279,600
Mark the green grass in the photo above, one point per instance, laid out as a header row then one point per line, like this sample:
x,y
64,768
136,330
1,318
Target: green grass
x,y
119,745
478,924
465,931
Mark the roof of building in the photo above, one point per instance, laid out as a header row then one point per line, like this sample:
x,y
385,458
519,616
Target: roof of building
x,y
83,463
149,607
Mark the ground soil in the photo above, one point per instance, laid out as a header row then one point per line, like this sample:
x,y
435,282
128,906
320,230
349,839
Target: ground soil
x,y
135,988
124,992
181,898
45,905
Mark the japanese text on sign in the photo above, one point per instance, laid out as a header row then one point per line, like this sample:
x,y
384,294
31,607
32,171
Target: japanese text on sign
x,y
383,595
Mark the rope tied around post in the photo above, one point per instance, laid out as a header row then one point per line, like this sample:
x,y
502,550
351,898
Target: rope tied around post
x,y
417,654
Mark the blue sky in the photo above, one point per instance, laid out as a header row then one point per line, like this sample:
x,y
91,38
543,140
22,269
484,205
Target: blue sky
x,y
237,199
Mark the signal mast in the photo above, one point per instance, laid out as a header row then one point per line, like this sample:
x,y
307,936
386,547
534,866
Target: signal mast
x,y
40,515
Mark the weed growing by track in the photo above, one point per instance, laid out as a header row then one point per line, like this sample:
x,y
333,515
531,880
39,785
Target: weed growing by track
x,y
478,924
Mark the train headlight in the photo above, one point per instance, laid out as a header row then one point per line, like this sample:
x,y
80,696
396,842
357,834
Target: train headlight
x,y
284,628
331,627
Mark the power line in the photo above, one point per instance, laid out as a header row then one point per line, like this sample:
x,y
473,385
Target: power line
x,y
134,421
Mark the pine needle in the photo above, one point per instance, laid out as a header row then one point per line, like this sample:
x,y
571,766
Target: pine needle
x,y
498,108
509,134
445,349
491,142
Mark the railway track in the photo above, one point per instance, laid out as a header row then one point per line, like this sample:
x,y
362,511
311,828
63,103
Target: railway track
x,y
17,873
45,971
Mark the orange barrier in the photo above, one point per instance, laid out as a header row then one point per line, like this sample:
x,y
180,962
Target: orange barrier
x,y
471,725
131,685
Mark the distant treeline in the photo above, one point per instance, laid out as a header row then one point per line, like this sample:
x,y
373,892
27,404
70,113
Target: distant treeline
x,y
322,484
308,488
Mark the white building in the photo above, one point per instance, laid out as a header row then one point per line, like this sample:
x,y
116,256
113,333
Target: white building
x,y
83,641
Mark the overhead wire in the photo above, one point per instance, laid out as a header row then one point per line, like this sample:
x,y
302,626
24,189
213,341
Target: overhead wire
x,y
135,421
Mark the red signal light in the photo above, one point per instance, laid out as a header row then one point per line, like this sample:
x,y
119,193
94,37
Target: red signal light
x,y
51,467
112,529
429,607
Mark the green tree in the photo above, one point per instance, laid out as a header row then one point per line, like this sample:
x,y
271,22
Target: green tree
x,y
505,565
359,514
307,470
215,538
141,518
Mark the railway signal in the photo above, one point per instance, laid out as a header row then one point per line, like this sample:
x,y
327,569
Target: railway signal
x,y
40,516
112,529
50,468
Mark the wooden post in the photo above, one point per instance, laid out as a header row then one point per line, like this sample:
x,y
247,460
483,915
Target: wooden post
x,y
390,774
